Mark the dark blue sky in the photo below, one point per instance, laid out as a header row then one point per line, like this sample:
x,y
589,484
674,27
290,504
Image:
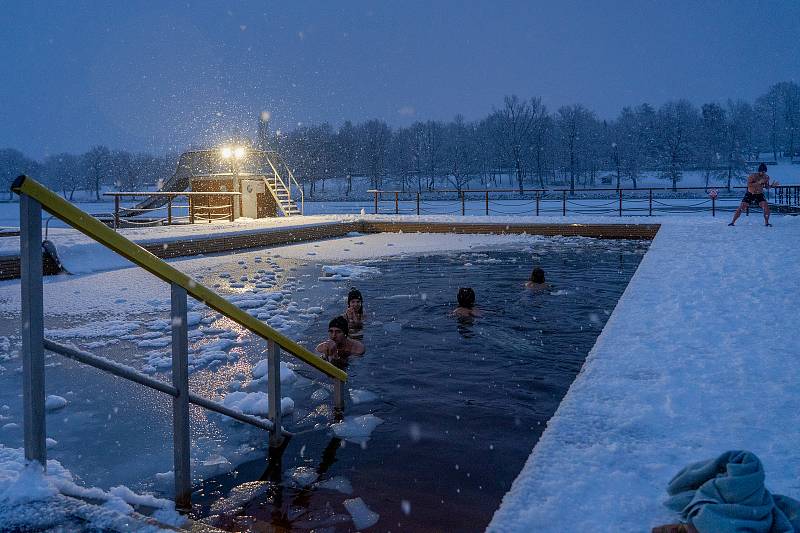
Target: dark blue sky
x,y
142,76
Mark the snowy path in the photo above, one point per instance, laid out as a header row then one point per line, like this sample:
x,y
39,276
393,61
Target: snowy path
x,y
699,357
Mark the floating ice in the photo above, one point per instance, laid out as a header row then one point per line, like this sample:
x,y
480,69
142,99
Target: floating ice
x,y
347,272
338,483
356,429
54,403
255,403
363,516
362,396
304,476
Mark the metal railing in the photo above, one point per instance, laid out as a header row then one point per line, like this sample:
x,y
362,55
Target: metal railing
x,y
33,198
280,180
212,212
544,200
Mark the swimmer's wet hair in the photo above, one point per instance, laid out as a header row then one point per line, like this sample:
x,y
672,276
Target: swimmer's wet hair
x,y
341,323
466,297
354,294
762,167
537,276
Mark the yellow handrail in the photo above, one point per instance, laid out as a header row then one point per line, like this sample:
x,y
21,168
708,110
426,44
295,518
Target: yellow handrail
x,y
93,228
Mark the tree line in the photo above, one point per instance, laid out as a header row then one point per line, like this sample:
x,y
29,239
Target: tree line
x,y
521,140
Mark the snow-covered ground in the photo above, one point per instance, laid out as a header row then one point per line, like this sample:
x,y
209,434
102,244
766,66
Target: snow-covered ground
x,y
697,358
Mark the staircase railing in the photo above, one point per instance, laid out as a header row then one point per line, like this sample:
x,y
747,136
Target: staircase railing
x,y
282,163
33,198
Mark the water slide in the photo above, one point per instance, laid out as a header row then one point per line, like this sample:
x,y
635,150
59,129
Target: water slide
x,y
189,164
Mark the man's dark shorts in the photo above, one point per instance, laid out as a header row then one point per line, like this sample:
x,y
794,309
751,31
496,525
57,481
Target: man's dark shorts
x,y
753,199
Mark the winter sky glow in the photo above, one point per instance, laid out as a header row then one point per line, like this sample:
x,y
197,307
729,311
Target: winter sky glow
x,y
145,76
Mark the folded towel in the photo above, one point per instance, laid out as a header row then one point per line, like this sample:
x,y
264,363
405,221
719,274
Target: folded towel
x,y
727,494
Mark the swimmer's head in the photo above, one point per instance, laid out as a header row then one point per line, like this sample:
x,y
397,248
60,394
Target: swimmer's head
x,y
466,297
339,323
537,276
355,294
762,167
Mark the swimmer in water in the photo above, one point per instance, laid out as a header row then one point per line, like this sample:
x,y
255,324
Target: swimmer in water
x,y
466,303
339,345
355,313
536,281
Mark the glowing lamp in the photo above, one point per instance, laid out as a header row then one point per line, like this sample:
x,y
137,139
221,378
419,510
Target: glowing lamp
x,y
238,152
226,152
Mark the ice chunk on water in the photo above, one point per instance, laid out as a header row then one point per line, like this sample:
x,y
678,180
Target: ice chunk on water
x,y
349,272
338,483
363,516
356,429
362,396
304,476
54,403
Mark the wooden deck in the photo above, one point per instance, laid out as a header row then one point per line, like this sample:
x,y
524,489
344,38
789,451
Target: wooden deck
x,y
10,267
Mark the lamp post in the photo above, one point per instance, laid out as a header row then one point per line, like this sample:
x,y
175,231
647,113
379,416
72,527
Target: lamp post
x,y
234,154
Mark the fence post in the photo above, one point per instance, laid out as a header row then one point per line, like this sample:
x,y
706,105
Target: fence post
x,y
396,202
191,210
651,203
376,202
620,202
274,393
208,208
116,212
169,210
537,203
487,203
32,329
564,203
417,204
463,202
713,206
230,219
180,403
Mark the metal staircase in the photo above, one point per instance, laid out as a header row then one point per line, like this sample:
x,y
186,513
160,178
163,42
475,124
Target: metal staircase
x,y
282,195
281,186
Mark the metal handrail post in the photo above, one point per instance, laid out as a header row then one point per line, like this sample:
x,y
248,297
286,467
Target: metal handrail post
x,y
32,328
376,202
564,203
713,206
620,202
417,204
339,392
487,203
396,202
651,203
180,403
169,211
191,211
537,203
274,393
116,211
463,206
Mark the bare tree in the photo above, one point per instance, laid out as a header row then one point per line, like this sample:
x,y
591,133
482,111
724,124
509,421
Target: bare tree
x,y
96,166
460,152
574,123
514,125
347,147
12,164
374,137
677,122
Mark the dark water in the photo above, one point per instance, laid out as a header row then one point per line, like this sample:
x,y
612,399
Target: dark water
x,y
463,402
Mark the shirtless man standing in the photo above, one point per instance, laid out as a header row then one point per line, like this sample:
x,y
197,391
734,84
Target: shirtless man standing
x,y
755,193
339,345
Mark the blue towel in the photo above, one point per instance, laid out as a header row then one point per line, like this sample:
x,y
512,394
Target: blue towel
x,y
727,495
